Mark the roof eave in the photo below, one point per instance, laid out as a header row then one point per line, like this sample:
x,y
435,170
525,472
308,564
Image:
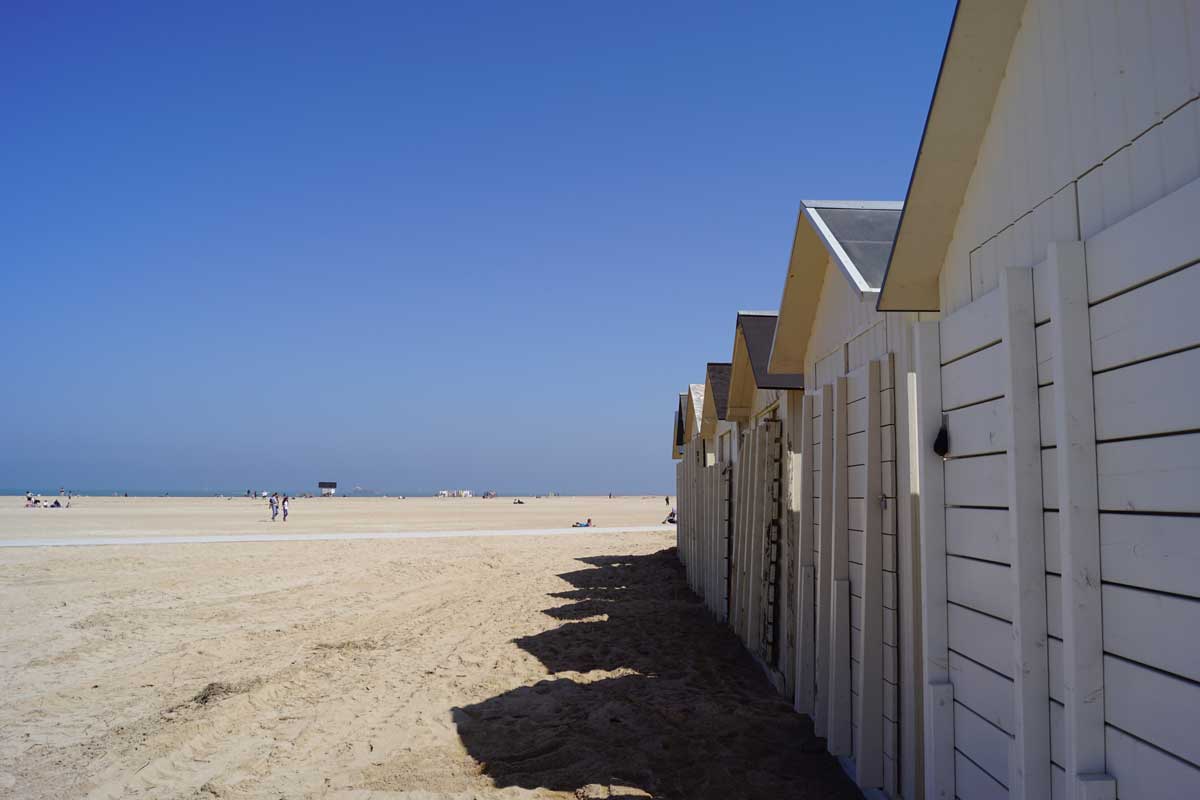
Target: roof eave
x,y
972,69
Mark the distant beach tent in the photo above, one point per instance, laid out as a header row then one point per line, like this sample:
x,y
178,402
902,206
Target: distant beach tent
x,y
328,488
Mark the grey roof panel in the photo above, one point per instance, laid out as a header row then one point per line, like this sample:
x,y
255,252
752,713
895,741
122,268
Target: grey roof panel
x,y
865,235
759,332
718,378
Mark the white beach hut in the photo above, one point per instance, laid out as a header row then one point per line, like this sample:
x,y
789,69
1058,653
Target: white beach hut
x,y
1049,242
760,571
848,497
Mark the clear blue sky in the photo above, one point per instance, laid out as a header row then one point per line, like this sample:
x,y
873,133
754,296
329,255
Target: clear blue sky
x,y
412,245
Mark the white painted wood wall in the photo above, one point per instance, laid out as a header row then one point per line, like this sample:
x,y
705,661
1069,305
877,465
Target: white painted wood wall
x,y
1094,139
701,525
847,628
1096,118
1122,664
850,341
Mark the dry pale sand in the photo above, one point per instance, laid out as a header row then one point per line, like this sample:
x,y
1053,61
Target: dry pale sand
x,y
182,516
433,668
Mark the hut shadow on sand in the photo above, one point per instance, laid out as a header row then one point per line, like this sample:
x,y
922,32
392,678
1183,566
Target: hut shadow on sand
x,y
657,699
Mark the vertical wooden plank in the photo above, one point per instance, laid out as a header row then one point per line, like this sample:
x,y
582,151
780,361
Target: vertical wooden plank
x,y
706,572
739,505
1081,96
910,757
901,776
1029,762
746,459
747,480
839,557
1169,49
1078,525
751,572
868,755
825,567
714,527
939,692
723,483
805,613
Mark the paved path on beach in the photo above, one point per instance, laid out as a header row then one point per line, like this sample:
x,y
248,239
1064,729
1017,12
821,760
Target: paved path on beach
x,y
320,537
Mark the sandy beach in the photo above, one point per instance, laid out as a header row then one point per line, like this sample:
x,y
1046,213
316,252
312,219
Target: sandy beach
x,y
104,517
532,666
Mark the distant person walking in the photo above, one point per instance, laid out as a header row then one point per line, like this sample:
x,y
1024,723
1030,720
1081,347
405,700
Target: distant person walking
x,y
274,503
284,506
668,500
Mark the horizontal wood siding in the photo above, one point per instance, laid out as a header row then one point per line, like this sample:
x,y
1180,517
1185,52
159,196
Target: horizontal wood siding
x,y
1095,119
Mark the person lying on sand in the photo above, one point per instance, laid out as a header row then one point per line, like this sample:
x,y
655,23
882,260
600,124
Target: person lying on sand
x,y
587,524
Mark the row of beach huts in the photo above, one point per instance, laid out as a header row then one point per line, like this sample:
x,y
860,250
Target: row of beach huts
x,y
948,493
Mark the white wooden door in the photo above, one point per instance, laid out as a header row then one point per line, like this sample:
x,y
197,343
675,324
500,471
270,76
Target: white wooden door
x,y
846,624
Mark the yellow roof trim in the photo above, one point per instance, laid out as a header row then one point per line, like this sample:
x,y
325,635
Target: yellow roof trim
x,y
741,381
801,293
973,65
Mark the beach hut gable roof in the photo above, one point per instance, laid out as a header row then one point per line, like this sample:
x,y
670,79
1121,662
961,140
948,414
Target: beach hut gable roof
x,y
973,66
695,405
716,396
857,236
751,352
680,439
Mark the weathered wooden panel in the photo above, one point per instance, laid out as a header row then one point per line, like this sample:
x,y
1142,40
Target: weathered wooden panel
x,y
856,417
1144,772
986,692
1046,415
856,482
980,585
978,429
1154,319
1158,474
856,449
1054,648
1053,547
1054,624
1124,407
1153,706
981,533
1050,477
1151,552
975,378
982,742
1158,239
888,550
1057,733
978,481
1045,353
1181,145
887,407
981,638
971,328
1145,627
971,781
887,438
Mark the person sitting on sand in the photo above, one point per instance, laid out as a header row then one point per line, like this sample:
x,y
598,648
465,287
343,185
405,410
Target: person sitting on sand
x,y
670,520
